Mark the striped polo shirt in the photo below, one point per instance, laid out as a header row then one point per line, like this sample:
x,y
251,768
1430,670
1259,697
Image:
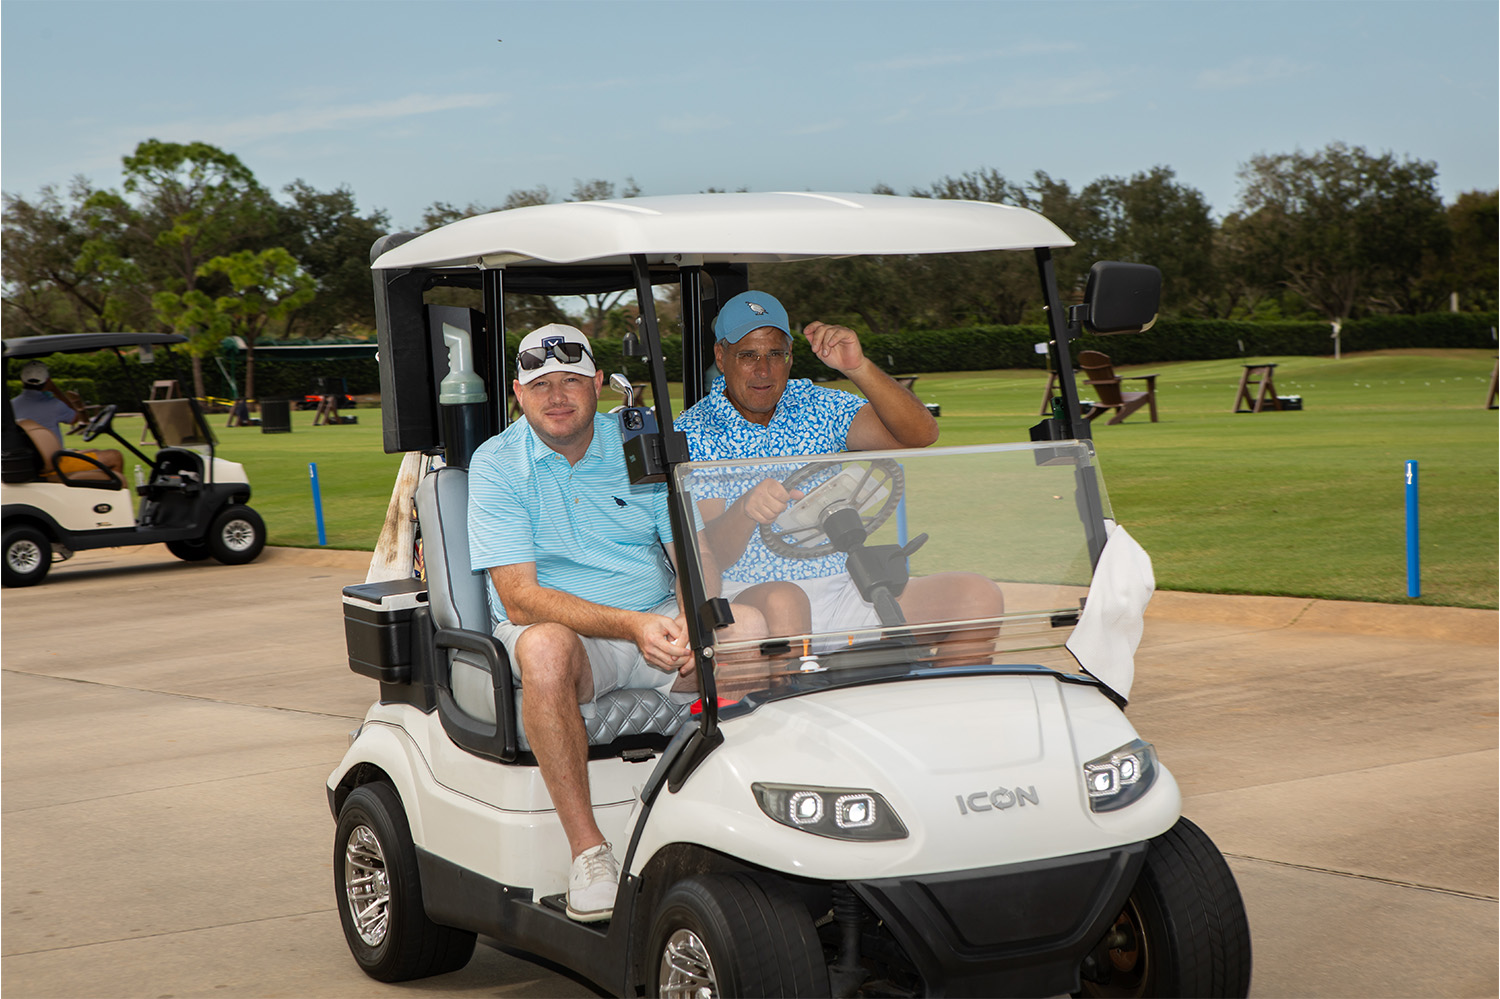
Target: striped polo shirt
x,y
589,531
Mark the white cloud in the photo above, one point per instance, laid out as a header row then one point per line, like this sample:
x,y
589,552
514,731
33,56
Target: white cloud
x,y
932,60
1247,72
298,121
1040,93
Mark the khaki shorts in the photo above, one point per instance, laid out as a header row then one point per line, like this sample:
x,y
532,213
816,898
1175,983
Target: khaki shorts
x,y
615,663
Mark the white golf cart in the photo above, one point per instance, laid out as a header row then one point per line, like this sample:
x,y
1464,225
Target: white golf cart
x,y
896,807
56,500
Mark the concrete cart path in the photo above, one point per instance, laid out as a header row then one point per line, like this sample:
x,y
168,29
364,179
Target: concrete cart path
x,y
167,728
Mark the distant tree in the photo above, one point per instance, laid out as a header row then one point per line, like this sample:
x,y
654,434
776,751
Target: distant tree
x,y
1152,219
1472,271
331,240
50,284
266,288
184,204
962,288
1351,232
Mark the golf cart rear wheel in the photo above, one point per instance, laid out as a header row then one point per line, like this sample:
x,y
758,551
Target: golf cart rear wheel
x,y
236,535
379,893
190,551
734,935
28,556
1183,931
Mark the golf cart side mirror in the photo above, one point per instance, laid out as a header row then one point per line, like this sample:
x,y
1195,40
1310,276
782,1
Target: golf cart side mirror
x,y
1121,298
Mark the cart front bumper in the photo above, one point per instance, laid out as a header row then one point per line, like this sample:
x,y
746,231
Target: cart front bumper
x,y
1021,929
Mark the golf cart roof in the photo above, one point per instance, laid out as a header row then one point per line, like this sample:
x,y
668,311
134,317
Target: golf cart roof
x,y
78,343
733,228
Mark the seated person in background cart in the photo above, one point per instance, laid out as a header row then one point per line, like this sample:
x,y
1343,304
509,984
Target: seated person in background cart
x,y
43,402
581,589
753,410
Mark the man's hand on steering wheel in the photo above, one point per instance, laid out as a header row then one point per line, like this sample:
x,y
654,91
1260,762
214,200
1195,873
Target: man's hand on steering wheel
x,y
768,500
100,423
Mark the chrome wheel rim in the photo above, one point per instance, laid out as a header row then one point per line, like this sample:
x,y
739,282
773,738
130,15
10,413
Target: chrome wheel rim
x,y
367,885
686,971
238,535
24,556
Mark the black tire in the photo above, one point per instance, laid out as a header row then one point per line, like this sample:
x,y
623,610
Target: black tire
x,y
236,535
373,835
1185,922
757,938
28,556
189,551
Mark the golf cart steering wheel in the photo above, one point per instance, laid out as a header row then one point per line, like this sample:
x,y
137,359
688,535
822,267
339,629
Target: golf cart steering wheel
x,y
871,486
100,423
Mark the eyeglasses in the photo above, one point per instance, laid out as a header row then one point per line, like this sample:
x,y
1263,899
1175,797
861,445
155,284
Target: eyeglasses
x,y
750,358
567,352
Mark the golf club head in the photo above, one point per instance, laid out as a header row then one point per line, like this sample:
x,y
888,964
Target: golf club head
x,y
622,385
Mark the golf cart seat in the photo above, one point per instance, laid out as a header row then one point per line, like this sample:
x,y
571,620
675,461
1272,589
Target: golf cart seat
x,y
59,464
457,598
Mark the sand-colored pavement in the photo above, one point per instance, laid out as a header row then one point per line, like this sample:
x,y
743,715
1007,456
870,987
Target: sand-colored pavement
x,y
167,728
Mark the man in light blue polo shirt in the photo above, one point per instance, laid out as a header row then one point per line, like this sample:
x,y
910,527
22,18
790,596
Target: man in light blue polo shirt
x,y
579,580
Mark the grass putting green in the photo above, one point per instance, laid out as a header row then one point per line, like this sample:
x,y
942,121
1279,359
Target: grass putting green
x,y
1301,503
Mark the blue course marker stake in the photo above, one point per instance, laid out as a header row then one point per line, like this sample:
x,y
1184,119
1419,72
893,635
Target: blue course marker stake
x,y
312,471
1413,552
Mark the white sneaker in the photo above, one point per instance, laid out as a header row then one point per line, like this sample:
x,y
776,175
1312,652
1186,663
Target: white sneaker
x,y
592,882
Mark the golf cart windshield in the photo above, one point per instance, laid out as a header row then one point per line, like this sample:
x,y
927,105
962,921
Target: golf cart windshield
x,y
963,556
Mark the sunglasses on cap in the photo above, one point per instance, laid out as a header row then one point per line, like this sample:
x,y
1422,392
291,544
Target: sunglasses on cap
x,y
567,351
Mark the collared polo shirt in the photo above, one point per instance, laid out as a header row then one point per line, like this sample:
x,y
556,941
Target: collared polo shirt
x,y
809,419
43,407
589,531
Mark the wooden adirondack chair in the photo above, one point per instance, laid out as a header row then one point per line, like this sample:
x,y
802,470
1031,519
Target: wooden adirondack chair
x,y
1106,385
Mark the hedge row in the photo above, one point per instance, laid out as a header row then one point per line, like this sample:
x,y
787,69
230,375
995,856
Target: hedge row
x,y
982,348
973,348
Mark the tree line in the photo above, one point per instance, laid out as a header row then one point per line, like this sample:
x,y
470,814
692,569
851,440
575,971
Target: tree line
x,y
194,243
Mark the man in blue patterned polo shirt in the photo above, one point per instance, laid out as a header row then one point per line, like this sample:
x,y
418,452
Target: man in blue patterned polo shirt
x,y
754,410
579,581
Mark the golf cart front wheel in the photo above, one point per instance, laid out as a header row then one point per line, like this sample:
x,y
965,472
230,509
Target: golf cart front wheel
x,y
379,893
1183,931
189,551
720,935
236,535
28,556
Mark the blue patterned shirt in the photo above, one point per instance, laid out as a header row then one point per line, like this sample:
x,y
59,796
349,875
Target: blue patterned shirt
x,y
809,419
589,531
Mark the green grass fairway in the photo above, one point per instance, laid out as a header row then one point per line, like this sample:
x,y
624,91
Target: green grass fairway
x,y
1307,503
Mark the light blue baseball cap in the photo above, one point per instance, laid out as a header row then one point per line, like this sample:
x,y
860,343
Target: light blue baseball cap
x,y
747,312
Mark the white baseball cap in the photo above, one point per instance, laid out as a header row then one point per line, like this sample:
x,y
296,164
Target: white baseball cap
x,y
35,374
554,347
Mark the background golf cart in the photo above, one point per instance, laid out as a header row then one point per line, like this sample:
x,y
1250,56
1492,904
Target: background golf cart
x,y
417,865
189,499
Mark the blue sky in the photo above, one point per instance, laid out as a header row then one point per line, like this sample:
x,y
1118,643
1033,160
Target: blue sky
x,y
410,103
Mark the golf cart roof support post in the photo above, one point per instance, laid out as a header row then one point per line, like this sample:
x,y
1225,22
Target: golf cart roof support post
x,y
1062,335
1090,504
674,450
494,319
693,361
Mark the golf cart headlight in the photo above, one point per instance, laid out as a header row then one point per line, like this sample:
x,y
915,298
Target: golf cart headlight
x,y
838,813
1120,778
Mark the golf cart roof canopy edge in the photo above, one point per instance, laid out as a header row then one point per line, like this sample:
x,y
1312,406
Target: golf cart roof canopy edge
x,y
78,343
713,228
